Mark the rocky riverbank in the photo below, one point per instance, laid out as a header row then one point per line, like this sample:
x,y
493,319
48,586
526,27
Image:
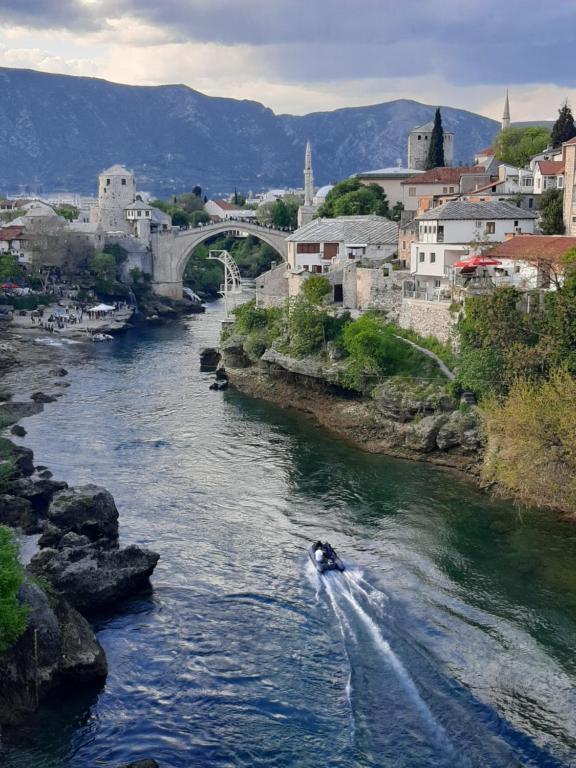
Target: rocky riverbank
x,y
411,420
80,566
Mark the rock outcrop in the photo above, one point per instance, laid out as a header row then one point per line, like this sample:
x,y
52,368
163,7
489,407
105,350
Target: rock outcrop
x,y
88,511
58,649
91,578
409,419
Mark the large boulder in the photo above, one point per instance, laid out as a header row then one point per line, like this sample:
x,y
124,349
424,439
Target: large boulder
x,y
37,490
233,354
90,578
23,458
463,430
421,435
58,648
403,401
17,513
209,359
87,510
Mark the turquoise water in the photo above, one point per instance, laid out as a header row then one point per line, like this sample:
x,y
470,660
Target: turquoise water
x,y
449,641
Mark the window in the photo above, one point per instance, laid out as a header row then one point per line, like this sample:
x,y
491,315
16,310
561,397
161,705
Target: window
x,y
107,182
403,245
419,137
490,227
530,202
140,214
451,189
123,182
148,214
307,248
444,190
432,258
516,223
421,256
436,283
411,191
516,270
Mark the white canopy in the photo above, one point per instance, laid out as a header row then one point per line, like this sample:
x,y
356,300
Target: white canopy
x,y
102,308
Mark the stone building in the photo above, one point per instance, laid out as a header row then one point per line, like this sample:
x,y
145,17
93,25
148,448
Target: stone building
x,y
116,192
419,142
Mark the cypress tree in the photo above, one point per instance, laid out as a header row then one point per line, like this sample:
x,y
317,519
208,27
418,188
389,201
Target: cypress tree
x,y
435,157
564,128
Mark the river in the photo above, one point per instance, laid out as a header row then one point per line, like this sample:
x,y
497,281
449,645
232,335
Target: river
x,y
449,641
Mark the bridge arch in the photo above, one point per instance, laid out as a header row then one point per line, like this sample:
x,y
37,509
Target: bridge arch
x,y
171,250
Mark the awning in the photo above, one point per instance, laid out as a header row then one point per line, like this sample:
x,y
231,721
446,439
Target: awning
x,y
477,261
102,308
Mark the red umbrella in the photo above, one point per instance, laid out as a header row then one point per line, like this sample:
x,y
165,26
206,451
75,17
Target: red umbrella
x,y
477,261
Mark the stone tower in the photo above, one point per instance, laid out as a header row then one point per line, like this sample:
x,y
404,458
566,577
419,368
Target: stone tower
x,y
116,191
307,211
418,143
506,114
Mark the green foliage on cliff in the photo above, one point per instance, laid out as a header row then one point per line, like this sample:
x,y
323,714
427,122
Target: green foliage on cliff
x,y
376,353
12,614
517,145
532,441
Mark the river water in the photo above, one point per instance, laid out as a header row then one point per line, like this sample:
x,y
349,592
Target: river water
x,y
449,641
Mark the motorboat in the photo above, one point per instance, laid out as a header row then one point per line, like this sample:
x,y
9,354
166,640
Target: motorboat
x,y
330,560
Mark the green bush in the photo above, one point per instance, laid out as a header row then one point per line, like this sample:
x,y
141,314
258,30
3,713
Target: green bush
x,y
250,318
13,616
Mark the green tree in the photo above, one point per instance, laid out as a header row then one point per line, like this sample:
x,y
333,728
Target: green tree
x,y
396,212
435,157
13,616
284,214
199,217
103,265
517,145
9,267
68,212
552,212
315,289
352,198
564,128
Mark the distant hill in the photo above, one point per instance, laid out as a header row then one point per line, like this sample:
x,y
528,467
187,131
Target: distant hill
x,y
534,123
57,132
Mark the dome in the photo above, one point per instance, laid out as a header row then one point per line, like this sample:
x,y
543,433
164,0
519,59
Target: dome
x,y
321,193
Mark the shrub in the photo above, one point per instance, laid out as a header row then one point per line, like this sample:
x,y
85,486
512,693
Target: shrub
x,y
12,615
315,289
532,441
249,317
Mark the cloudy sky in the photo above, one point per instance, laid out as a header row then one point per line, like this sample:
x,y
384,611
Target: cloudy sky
x,y
300,56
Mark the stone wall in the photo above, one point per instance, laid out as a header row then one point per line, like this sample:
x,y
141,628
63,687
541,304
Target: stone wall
x,y
272,287
428,318
380,289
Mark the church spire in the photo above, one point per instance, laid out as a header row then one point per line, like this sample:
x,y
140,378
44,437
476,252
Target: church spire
x,y
506,115
308,176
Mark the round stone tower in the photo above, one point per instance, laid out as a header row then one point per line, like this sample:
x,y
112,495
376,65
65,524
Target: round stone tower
x,y
116,191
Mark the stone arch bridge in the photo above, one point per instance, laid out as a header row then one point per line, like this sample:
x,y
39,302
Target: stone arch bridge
x,y
171,250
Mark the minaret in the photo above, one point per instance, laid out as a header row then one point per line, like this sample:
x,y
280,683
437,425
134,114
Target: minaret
x,y
307,211
308,176
506,115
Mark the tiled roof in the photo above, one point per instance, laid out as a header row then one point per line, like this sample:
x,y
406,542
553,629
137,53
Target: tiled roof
x,y
138,205
494,183
461,209
348,229
444,175
550,167
225,205
11,233
534,247
488,151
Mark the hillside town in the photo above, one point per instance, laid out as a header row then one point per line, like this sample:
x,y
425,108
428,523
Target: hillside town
x,y
458,231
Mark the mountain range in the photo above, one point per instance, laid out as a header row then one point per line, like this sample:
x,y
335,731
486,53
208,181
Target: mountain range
x,y
57,132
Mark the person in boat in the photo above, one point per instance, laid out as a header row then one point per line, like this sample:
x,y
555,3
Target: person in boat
x,y
318,552
329,552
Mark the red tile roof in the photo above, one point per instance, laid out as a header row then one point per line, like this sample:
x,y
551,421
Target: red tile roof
x,y
550,167
11,233
226,206
488,151
444,175
533,247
